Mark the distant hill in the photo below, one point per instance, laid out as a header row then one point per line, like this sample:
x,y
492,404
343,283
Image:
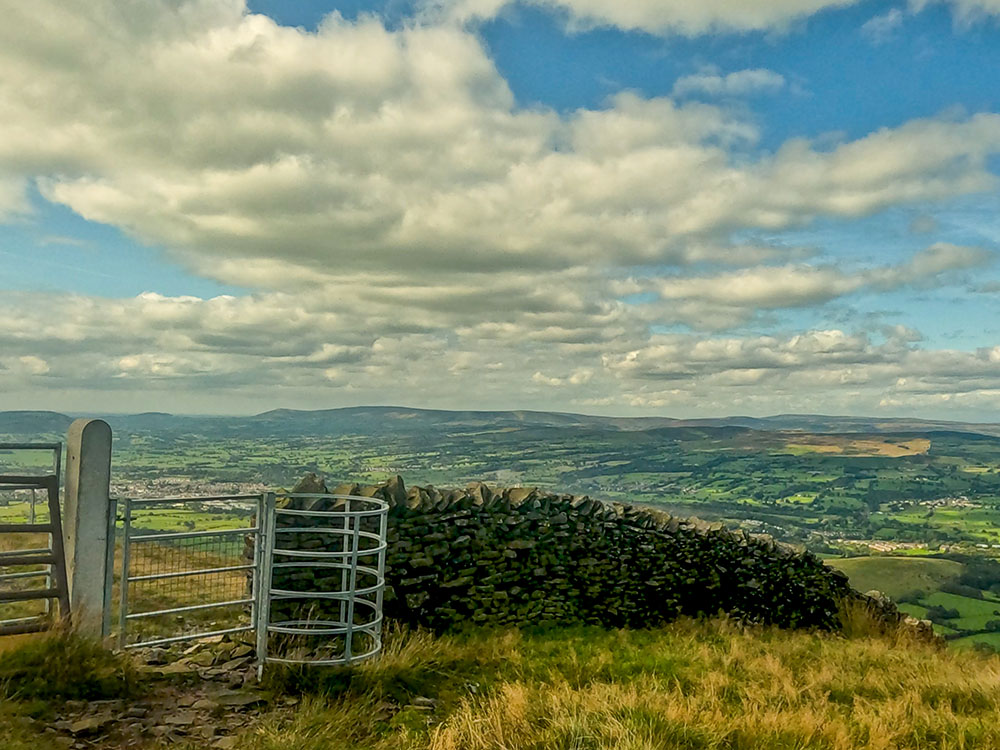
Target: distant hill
x,y
33,422
374,420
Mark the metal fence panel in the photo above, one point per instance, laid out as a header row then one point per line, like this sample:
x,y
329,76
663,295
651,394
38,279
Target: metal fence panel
x,y
190,568
32,570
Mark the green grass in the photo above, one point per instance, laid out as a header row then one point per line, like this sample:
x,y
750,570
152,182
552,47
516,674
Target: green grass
x,y
897,576
991,639
710,685
973,613
61,665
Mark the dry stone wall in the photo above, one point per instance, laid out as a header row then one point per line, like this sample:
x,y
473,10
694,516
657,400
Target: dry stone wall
x,y
521,556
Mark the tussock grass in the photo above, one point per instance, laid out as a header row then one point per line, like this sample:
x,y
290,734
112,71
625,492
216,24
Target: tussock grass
x,y
712,685
62,665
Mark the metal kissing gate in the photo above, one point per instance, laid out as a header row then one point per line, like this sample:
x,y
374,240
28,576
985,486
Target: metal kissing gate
x,y
304,573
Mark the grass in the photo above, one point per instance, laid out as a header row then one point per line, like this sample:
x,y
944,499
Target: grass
x,y
61,665
712,685
969,641
897,576
707,685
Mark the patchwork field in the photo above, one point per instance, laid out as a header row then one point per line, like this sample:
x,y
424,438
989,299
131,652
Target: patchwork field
x,y
898,576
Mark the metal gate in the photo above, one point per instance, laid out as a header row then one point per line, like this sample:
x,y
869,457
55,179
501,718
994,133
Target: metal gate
x,y
324,579
304,573
190,568
47,562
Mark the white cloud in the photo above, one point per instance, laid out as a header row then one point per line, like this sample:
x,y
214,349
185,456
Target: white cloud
x,y
658,16
820,371
266,155
965,11
738,83
726,299
879,28
695,17
407,227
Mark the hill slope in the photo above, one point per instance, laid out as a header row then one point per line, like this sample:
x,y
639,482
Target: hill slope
x,y
396,419
710,685
897,576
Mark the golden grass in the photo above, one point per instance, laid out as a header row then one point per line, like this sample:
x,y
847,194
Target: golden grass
x,y
690,685
835,444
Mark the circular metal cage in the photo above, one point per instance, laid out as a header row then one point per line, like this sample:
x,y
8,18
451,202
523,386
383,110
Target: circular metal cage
x,y
325,579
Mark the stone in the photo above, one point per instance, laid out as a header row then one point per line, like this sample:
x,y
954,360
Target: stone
x,y
89,725
524,556
156,656
240,699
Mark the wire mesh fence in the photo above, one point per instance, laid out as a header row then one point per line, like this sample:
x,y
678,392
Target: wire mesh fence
x,y
188,568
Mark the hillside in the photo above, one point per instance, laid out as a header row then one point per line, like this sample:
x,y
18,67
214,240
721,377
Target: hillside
x,y
897,576
395,419
705,685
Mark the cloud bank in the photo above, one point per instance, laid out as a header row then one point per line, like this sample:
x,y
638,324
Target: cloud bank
x,y
408,231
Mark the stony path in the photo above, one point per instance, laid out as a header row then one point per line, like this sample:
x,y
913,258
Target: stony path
x,y
201,696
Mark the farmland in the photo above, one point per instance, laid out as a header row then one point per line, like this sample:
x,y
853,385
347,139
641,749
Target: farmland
x,y
803,480
924,497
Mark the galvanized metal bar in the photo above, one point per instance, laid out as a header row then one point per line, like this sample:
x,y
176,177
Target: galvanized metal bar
x,y
349,637
123,589
109,570
16,552
47,558
36,626
311,554
187,573
345,595
260,522
264,592
323,530
192,534
380,579
343,573
26,480
59,577
25,528
57,461
190,608
329,513
25,574
190,637
189,499
24,596
291,627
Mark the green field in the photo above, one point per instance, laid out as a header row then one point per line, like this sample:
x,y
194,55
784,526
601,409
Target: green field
x,y
897,576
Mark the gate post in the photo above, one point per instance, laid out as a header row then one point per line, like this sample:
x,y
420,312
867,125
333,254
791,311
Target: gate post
x,y
86,527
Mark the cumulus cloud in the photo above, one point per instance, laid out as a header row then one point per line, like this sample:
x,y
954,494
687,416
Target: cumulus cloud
x,y
738,83
321,350
812,371
879,28
725,299
658,16
408,228
691,17
253,150
966,11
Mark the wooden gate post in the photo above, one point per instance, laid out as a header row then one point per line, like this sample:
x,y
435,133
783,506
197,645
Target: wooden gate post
x,y
85,522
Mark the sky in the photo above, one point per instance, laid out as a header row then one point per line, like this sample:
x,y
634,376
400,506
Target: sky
x,y
655,207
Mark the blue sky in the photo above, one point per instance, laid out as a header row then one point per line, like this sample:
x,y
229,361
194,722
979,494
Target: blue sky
x,y
676,208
